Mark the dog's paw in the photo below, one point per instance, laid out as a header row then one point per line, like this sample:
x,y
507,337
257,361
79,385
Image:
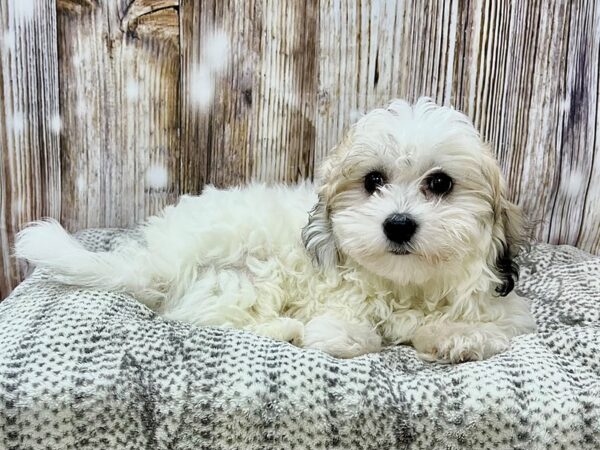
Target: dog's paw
x,y
456,343
282,329
340,338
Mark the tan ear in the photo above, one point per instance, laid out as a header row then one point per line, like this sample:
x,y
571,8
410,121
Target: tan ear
x,y
508,232
317,235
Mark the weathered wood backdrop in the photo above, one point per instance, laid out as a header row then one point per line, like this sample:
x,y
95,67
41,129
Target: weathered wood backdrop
x,y
107,111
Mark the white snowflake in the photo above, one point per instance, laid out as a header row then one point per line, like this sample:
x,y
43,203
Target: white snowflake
x,y
575,185
23,9
55,123
16,122
216,51
77,60
214,58
80,57
81,107
202,87
9,40
355,115
157,177
81,184
18,206
133,89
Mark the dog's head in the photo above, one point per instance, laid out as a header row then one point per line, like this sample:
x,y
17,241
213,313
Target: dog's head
x,y
412,191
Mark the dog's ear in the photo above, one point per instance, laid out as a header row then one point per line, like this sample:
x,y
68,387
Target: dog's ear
x,y
508,247
318,237
508,233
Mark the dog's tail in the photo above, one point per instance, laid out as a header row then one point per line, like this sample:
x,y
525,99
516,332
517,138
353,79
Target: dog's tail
x,y
46,244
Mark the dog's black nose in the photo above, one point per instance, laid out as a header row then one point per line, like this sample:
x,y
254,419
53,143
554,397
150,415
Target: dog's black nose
x,y
399,228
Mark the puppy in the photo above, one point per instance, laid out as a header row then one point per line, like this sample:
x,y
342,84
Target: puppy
x,y
409,239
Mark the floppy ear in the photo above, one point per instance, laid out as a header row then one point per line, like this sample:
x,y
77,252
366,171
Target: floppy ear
x,y
317,235
508,234
318,238
509,247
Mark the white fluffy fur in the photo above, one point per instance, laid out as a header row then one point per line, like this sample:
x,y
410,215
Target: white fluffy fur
x,y
239,258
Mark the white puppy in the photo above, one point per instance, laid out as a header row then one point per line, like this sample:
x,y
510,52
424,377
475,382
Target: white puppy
x,y
410,240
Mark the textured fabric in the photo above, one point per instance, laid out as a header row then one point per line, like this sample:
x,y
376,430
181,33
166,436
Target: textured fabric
x,y
87,369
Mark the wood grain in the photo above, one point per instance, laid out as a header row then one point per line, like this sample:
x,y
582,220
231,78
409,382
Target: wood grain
x,y
260,124
119,96
535,99
29,144
160,97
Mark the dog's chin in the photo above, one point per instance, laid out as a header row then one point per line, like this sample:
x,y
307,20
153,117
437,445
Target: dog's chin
x,y
397,264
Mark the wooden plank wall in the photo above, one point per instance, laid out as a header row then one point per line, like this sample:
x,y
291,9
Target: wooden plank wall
x,y
109,109
30,175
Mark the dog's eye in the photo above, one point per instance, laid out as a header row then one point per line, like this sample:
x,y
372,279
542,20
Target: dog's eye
x,y
439,183
373,181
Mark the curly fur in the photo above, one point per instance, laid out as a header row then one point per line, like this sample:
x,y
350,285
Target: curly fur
x,y
247,258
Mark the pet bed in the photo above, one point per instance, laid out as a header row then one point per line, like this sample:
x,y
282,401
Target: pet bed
x,y
87,369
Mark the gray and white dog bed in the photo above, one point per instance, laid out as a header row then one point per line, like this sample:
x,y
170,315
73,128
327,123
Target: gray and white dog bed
x,y
87,369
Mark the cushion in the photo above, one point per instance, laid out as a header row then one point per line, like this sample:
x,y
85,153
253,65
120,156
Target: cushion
x,y
89,369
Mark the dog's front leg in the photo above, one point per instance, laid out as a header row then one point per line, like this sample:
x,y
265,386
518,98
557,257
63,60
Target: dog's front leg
x,y
453,342
455,339
340,337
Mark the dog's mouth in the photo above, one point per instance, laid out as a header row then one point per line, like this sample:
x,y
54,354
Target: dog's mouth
x,y
400,251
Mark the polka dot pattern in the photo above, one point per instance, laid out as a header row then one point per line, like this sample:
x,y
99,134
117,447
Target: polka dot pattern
x,y
87,369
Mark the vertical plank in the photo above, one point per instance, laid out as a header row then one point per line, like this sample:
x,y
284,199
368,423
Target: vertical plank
x,y
589,235
196,130
282,147
534,98
260,123
29,108
575,217
372,52
119,79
